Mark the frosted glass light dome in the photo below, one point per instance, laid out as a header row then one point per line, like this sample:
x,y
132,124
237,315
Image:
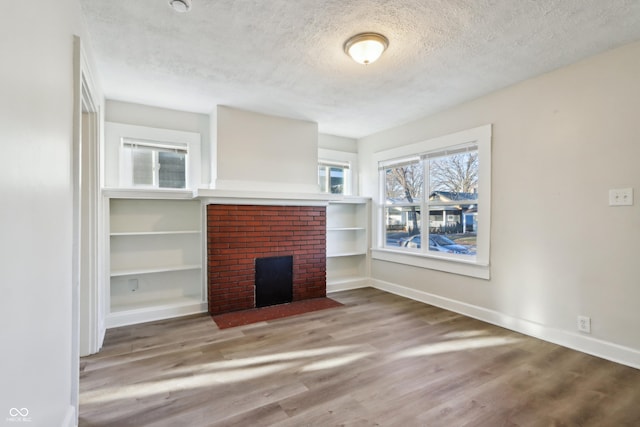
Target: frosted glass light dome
x,y
366,48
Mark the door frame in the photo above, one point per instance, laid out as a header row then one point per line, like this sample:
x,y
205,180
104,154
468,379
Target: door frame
x,y
88,314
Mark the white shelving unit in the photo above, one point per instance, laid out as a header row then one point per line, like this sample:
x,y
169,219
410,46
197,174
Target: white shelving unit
x,y
156,253
348,243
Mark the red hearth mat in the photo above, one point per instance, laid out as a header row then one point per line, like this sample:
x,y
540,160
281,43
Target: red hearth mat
x,y
263,314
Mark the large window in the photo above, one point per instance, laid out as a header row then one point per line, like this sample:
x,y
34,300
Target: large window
x,y
435,198
449,178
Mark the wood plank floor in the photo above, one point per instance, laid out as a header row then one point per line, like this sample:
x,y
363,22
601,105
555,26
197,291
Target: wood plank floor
x,y
380,360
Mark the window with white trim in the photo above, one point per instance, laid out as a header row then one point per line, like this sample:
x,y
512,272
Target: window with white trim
x,y
147,159
337,172
152,164
437,191
334,176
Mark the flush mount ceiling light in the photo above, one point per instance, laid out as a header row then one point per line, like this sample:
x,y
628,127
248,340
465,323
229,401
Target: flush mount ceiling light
x,y
366,48
180,5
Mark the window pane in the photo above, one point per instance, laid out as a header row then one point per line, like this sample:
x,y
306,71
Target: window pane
x,y
337,180
404,183
142,166
454,175
332,178
403,223
322,179
452,229
172,169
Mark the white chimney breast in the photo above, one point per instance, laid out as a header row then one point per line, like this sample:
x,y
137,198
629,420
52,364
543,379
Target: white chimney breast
x,y
259,152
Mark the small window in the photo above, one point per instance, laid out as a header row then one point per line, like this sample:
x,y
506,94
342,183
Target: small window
x,y
334,177
153,164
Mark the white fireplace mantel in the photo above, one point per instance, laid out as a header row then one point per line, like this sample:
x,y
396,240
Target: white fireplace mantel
x,y
232,196
264,198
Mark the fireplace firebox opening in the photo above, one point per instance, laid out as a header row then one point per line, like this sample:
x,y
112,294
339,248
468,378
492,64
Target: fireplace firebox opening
x,y
274,280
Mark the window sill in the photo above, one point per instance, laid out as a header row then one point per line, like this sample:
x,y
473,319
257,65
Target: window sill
x,y
462,267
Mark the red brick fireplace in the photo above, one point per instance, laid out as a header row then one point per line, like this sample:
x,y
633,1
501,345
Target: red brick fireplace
x,y
239,234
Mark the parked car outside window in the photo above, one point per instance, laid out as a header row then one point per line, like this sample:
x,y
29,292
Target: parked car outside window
x,y
437,243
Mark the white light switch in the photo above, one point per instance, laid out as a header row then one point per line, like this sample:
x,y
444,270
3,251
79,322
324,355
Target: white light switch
x,y
621,197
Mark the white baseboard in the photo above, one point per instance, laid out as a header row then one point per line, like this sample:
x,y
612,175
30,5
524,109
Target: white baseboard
x,y
70,418
599,348
153,313
346,285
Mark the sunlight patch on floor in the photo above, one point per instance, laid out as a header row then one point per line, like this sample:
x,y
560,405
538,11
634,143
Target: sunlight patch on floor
x,y
464,334
231,371
254,367
334,362
149,388
454,345
267,358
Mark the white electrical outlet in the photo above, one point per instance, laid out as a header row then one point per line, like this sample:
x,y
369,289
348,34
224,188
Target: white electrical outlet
x,y
621,197
584,324
133,285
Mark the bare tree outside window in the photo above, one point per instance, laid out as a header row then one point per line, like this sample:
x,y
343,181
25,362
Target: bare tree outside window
x,y
405,182
456,173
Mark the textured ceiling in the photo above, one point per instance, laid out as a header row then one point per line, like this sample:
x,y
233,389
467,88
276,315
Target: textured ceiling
x,y
285,57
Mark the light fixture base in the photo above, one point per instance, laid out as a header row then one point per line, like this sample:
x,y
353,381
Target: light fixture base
x,y
180,6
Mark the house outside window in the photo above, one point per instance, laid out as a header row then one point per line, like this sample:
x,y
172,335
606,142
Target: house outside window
x,y
435,201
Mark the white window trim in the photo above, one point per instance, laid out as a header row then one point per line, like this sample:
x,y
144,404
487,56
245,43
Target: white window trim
x,y
114,134
480,267
338,157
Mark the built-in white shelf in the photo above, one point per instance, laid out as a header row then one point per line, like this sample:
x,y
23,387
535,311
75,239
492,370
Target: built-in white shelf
x,y
128,313
150,194
348,243
154,233
162,269
156,256
155,304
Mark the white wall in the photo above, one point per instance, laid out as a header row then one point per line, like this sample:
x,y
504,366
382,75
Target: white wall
x,y
265,135
162,118
265,153
337,143
560,142
36,118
